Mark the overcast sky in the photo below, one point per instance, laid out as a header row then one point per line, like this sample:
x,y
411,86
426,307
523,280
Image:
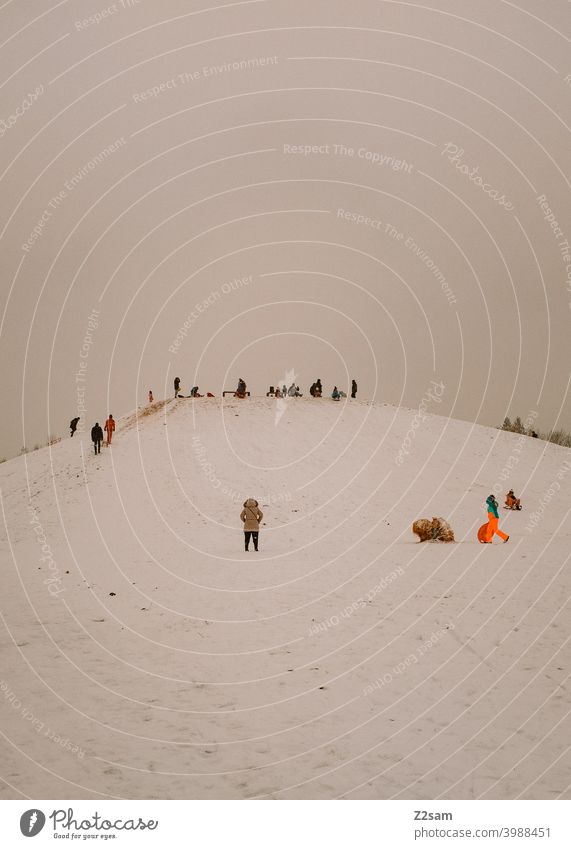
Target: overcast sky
x,y
283,189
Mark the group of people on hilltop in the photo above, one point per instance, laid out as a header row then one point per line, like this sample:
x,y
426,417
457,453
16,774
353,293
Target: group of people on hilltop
x,y
194,392
293,391
316,390
337,394
97,431
284,392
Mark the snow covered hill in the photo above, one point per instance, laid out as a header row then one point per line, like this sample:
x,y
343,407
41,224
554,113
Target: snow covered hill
x,y
146,655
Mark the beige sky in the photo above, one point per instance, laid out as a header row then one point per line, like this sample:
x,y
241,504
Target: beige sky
x,y
375,190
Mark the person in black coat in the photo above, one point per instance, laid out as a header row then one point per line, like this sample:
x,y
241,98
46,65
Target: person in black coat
x,y
97,437
353,388
176,386
73,425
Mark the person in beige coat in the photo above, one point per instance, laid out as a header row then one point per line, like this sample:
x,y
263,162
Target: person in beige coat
x,y
251,515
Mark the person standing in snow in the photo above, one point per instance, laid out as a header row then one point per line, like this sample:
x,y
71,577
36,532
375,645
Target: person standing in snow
x,y
241,390
96,437
493,519
151,398
73,425
251,516
318,388
176,386
353,388
109,428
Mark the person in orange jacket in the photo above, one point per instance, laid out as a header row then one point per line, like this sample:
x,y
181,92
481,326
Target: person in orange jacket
x,y
493,519
109,428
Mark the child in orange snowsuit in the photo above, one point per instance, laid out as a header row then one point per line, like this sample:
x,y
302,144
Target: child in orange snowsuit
x,y
109,428
493,519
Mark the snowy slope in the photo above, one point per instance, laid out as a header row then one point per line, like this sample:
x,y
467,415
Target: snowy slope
x,y
148,656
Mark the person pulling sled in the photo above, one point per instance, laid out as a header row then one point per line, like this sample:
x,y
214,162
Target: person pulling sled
x,y
487,531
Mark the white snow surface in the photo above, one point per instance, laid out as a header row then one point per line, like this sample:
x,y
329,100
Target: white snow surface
x,y
147,655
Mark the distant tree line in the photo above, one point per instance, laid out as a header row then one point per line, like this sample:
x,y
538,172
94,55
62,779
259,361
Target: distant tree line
x,y
559,437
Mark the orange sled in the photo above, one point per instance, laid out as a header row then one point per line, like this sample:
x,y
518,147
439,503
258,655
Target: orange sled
x,y
482,533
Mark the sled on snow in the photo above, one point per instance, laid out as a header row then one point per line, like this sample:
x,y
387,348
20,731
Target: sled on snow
x,y
482,532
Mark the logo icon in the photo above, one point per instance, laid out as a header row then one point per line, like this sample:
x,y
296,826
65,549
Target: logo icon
x,y
32,822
